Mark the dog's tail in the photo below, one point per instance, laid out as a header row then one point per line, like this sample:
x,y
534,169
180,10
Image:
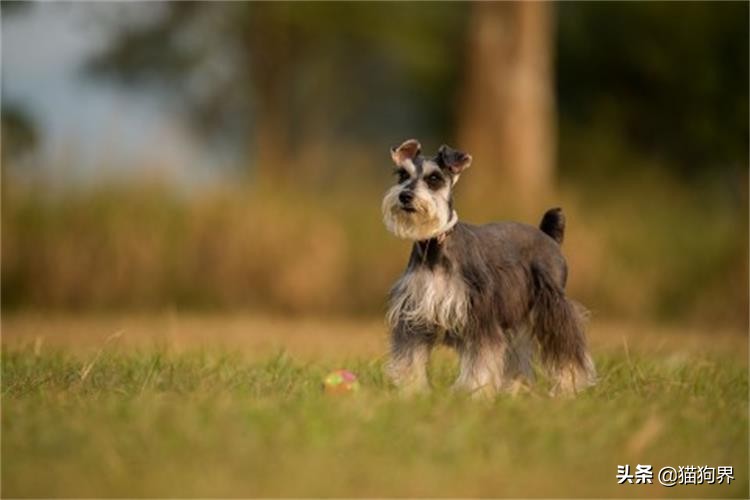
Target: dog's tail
x,y
553,224
558,326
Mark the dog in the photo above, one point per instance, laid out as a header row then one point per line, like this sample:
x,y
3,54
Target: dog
x,y
495,293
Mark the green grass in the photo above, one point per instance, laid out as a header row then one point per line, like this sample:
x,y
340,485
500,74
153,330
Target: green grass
x,y
202,423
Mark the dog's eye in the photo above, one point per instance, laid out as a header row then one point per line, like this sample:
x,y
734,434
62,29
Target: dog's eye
x,y
434,180
402,175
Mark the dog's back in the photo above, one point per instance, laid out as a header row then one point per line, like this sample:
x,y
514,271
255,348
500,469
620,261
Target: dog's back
x,y
506,246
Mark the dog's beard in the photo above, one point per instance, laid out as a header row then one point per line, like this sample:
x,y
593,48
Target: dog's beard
x,y
429,218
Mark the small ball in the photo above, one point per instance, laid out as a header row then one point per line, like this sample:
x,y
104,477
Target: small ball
x,y
340,382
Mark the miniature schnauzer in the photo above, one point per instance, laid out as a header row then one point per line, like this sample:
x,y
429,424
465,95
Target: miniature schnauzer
x,y
494,293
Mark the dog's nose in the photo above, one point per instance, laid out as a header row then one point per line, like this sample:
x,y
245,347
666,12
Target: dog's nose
x,y
406,197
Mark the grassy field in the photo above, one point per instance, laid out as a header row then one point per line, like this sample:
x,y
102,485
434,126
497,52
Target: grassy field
x,y
232,406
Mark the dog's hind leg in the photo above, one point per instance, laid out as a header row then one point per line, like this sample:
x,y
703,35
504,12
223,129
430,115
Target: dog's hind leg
x,y
558,326
410,352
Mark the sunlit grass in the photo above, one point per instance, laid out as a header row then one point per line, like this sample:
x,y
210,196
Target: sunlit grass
x,y
200,423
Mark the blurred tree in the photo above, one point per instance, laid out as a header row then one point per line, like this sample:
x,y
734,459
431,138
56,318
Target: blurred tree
x,y
294,82
508,104
667,80
19,134
9,8
286,75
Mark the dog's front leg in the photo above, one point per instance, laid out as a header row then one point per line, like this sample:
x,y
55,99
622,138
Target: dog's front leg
x,y
519,371
411,346
481,365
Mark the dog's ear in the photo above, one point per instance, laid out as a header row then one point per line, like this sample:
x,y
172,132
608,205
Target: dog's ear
x,y
408,150
452,159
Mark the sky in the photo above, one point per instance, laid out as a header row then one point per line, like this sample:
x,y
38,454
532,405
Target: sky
x,y
96,127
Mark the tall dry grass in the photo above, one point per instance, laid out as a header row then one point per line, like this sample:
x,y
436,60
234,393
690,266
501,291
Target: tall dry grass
x,y
650,249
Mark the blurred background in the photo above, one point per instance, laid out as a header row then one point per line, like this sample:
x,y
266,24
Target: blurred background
x,y
232,156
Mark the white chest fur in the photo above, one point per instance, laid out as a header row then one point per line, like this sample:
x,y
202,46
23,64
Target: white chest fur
x,y
430,298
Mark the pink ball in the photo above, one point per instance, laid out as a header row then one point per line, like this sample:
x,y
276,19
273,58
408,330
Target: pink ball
x,y
340,382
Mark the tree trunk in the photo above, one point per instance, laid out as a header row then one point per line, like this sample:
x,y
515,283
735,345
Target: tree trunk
x,y
268,44
508,117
